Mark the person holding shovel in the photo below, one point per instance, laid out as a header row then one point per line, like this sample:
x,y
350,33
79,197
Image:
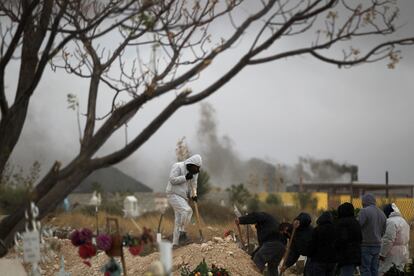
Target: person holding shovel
x,y
300,244
271,246
182,186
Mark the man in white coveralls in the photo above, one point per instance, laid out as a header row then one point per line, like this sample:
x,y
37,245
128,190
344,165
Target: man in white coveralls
x,y
182,186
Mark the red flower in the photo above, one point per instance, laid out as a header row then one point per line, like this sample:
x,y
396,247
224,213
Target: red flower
x,y
87,250
136,250
88,263
227,233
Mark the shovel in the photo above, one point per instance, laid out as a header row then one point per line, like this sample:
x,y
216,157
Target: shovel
x,y
238,214
159,223
198,217
240,237
285,256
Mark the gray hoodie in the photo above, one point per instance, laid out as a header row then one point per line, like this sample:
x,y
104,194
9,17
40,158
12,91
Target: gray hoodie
x,y
177,184
372,221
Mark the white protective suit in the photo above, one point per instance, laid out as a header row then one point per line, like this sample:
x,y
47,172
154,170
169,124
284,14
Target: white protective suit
x,y
394,245
179,190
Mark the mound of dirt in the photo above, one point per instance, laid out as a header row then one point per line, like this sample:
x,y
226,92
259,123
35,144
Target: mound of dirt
x,y
219,252
222,253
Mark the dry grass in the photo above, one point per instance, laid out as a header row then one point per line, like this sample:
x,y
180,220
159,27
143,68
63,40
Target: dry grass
x,y
215,221
79,220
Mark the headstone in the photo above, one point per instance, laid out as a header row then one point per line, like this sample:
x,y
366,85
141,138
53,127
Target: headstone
x,y
62,271
166,256
31,247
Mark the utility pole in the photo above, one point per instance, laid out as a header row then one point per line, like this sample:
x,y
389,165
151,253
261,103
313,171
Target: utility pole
x,y
386,185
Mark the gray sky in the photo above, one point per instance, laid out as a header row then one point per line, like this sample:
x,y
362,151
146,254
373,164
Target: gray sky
x,y
276,111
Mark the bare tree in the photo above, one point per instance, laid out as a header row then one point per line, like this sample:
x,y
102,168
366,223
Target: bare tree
x,y
173,45
33,32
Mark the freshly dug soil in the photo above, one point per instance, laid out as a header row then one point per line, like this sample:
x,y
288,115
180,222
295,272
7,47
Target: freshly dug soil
x,y
222,253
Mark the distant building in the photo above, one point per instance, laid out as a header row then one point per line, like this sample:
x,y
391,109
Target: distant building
x,y
115,185
356,189
111,180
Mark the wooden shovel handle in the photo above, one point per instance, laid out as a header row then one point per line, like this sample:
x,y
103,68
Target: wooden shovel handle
x,y
240,234
286,255
198,220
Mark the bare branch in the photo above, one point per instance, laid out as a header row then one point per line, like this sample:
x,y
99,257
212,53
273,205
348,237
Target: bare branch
x,y
366,57
139,140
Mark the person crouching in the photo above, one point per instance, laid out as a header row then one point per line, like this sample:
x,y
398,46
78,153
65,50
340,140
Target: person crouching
x,y
271,246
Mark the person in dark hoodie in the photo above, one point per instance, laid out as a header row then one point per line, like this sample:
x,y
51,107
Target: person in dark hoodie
x,y
348,241
271,246
322,253
300,242
373,225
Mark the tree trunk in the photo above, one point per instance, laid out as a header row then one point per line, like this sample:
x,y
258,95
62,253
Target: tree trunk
x,y
47,195
11,127
12,123
58,184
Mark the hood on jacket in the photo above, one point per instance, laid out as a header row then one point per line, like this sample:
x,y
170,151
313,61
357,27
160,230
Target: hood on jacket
x,y
305,220
195,160
388,210
391,210
368,200
325,218
346,210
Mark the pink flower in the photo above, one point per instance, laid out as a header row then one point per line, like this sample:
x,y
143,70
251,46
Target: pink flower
x,y
104,242
85,235
75,238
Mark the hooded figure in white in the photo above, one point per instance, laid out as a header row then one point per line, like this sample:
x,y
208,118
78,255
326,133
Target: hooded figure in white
x,y
394,247
181,186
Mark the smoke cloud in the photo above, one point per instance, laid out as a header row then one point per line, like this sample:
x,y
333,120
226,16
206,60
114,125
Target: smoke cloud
x,y
226,167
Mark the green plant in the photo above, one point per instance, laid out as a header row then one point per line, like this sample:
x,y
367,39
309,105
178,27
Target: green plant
x,y
273,199
204,270
203,184
108,206
238,194
15,186
11,197
253,203
306,201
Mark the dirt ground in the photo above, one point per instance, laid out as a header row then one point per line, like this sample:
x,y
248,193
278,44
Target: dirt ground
x,y
222,253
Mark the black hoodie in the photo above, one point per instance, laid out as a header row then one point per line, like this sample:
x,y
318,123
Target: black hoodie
x,y
266,225
301,241
349,236
322,245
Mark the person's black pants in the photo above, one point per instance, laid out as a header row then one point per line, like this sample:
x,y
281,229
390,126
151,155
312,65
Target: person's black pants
x,y
320,269
270,253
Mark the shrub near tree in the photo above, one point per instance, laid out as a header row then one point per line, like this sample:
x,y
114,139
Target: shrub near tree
x,y
274,199
15,186
203,184
238,194
305,201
